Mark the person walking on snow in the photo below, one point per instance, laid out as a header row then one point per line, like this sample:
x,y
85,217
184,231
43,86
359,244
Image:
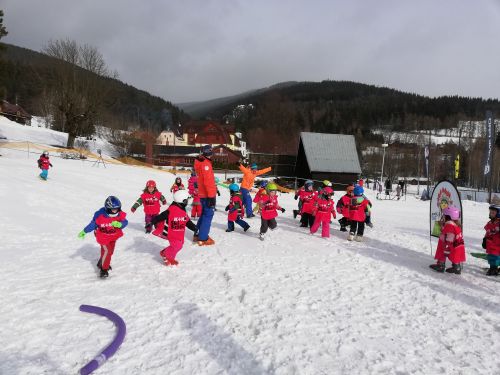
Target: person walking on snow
x,y
107,224
308,197
491,240
151,199
44,164
268,210
178,185
236,209
249,175
207,190
258,196
343,208
357,214
176,219
324,207
450,243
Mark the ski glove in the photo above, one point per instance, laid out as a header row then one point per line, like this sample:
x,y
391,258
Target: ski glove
x,y
81,234
227,208
211,202
218,193
51,165
133,209
283,210
484,243
116,224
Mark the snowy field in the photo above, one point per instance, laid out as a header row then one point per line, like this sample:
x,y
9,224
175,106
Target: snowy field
x,y
293,304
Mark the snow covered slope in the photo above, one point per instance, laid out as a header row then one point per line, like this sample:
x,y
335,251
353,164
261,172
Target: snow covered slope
x,y
293,304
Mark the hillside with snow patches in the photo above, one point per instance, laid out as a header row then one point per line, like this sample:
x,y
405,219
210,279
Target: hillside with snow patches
x,y
292,304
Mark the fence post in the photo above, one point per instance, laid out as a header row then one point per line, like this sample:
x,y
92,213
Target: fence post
x,y
28,149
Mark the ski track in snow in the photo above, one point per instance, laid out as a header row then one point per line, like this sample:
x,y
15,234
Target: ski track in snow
x,y
292,304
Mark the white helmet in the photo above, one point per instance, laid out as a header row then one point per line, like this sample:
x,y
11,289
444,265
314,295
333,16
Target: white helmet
x,y
181,196
45,153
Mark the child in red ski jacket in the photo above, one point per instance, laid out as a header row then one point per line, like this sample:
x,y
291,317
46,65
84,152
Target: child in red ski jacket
x,y
268,210
324,207
491,240
450,243
308,197
151,199
343,208
44,164
258,196
176,219
236,209
178,185
107,225
357,214
196,203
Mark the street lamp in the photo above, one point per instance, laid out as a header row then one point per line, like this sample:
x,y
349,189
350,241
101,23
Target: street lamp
x,y
384,146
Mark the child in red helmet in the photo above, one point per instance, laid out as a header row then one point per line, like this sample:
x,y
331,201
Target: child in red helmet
x,y
451,243
151,199
324,207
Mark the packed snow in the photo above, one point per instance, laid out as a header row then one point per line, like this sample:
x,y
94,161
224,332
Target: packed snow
x,y
292,304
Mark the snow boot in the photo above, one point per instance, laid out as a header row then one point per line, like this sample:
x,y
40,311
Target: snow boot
x,y
246,228
350,237
358,238
261,236
370,224
455,268
170,262
229,230
208,242
343,229
295,213
195,238
493,271
438,267
103,274
99,265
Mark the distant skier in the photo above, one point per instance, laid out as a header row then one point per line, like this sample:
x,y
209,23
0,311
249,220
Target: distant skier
x,y
491,240
236,209
107,224
258,196
249,175
151,199
357,214
343,208
268,210
44,164
308,197
176,219
450,243
324,208
178,185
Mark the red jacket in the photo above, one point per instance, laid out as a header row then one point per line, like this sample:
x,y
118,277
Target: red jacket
x,y
269,206
236,208
176,187
451,243
308,199
206,178
151,202
258,196
357,208
323,208
105,232
192,180
343,205
44,162
493,237
177,220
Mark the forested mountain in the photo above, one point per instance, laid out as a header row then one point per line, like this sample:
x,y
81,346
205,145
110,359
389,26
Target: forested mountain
x,y
276,116
28,77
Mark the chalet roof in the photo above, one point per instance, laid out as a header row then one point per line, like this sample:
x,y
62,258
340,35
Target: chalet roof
x,y
13,109
333,153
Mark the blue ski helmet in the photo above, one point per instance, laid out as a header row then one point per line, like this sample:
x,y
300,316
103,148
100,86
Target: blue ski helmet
x,y
234,187
217,180
263,183
112,203
207,150
497,208
358,190
253,166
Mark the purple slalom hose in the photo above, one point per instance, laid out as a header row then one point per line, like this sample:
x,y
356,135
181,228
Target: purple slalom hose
x,y
111,348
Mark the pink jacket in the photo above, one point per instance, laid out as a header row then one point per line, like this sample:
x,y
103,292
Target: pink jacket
x,y
308,198
269,206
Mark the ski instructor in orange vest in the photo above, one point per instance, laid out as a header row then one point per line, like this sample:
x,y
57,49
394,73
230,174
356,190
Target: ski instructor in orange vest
x,y
249,175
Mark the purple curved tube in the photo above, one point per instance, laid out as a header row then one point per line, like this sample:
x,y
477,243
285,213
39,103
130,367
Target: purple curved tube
x,y
111,348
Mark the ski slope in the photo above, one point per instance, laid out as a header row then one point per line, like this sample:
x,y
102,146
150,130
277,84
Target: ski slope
x,y
292,304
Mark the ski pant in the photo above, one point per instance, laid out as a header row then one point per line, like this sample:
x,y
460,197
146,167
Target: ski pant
x,y
344,222
306,220
493,260
325,225
264,224
242,223
170,252
44,174
196,211
247,201
205,221
106,254
358,226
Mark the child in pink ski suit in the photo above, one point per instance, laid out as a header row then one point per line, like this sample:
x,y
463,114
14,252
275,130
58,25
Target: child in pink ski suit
x,y
324,207
268,210
450,243
176,219
151,199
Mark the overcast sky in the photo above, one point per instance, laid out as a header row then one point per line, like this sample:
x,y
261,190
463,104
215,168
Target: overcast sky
x,y
195,50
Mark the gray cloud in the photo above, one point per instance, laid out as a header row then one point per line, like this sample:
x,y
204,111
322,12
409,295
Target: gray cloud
x,y
195,50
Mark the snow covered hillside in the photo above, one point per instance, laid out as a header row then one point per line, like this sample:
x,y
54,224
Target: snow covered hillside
x,y
292,304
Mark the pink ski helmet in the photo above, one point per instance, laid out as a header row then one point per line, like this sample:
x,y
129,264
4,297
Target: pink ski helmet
x,y
452,212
